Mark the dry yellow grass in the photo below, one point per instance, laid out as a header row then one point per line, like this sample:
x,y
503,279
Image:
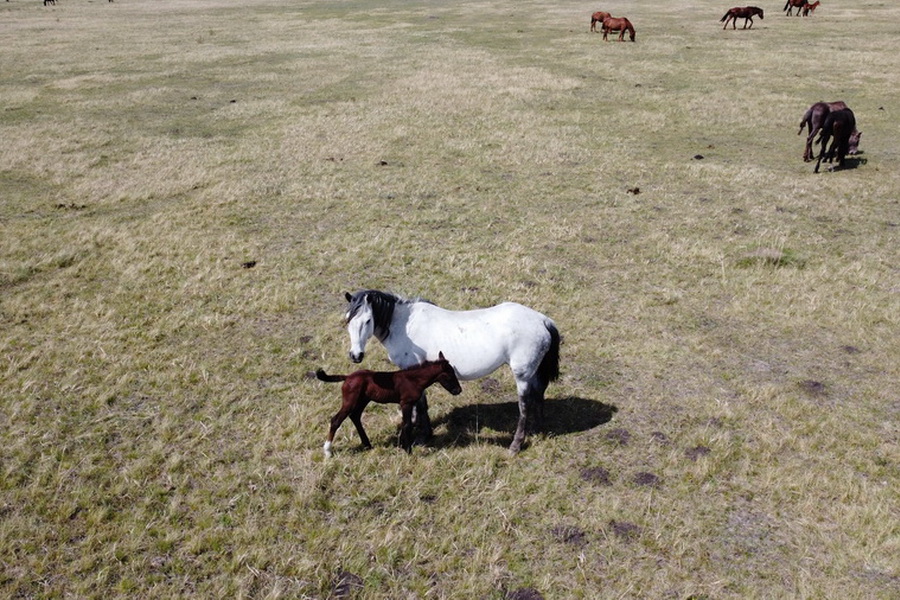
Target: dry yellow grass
x,y
726,423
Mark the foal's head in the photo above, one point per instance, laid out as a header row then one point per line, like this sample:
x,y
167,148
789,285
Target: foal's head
x,y
447,377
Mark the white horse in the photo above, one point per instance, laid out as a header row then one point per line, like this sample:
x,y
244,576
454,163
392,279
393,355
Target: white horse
x,y
476,342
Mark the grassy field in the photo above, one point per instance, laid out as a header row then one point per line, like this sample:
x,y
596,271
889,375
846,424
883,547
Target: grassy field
x,y
188,187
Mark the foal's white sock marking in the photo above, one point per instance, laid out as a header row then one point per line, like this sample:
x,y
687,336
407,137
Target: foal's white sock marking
x,y
327,449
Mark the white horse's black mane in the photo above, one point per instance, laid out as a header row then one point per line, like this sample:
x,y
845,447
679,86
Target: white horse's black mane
x,y
382,304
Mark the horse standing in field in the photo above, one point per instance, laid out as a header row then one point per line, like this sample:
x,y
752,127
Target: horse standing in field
x,y
598,17
790,5
814,118
476,342
620,24
741,12
399,387
809,9
839,124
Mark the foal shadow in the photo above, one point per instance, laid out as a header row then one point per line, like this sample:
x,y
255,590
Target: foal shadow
x,y
496,423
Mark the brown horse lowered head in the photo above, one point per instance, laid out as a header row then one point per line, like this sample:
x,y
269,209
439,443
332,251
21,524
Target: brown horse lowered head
x,y
790,5
814,119
741,12
618,24
598,17
839,125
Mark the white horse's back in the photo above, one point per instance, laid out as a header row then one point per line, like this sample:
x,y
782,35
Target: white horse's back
x,y
476,342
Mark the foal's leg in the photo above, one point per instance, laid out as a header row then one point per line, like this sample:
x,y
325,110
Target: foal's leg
x,y
336,421
356,417
406,441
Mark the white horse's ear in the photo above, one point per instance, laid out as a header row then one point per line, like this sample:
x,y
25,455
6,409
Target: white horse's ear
x,y
348,296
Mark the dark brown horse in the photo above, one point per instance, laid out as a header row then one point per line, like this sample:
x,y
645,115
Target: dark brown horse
x,y
814,118
741,12
840,125
790,5
598,17
809,9
403,387
621,25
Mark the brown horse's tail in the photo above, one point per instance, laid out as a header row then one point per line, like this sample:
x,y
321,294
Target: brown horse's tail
x,y
806,120
725,17
321,375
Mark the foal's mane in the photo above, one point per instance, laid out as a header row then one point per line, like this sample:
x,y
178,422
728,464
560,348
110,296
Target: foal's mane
x,y
383,304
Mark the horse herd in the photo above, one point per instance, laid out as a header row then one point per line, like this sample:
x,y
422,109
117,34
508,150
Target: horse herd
x,y
417,334
832,121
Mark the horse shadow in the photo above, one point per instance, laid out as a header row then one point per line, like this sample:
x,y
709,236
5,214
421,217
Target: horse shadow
x,y
495,423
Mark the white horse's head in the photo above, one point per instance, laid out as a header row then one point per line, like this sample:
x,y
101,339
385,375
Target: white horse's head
x,y
360,326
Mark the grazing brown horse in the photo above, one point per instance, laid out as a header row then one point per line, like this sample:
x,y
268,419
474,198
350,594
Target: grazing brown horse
x,y
809,9
741,12
598,17
814,118
403,387
839,124
621,25
790,5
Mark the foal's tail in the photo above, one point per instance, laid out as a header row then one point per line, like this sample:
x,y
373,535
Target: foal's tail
x,y
549,368
323,376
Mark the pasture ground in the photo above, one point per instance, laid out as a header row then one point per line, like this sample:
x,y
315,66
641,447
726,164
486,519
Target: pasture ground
x,y
187,187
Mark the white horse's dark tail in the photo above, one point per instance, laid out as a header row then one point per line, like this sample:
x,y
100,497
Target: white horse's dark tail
x,y
323,376
549,368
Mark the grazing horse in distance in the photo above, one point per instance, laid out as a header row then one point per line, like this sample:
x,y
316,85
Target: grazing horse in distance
x,y
477,342
741,12
399,387
814,118
839,124
809,9
618,24
790,5
598,17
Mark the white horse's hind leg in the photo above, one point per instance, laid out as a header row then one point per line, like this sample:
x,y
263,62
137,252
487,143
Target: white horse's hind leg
x,y
421,419
531,400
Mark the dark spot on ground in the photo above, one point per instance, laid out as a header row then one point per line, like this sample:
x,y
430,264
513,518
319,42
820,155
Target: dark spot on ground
x,y
489,385
635,190
647,480
597,475
624,530
248,264
428,498
660,438
524,594
569,535
813,387
620,436
698,157
346,584
851,349
696,452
